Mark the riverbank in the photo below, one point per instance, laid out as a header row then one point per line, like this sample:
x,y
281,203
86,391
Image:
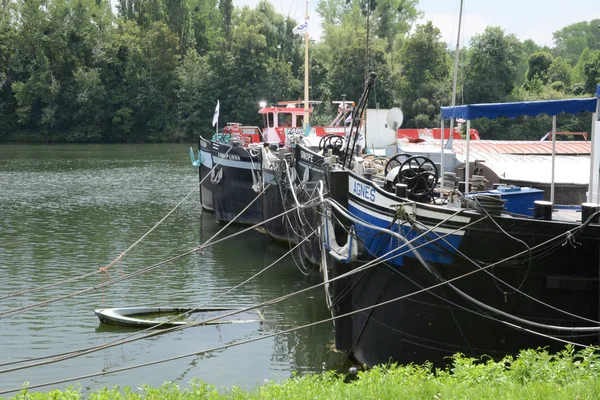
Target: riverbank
x,y
531,375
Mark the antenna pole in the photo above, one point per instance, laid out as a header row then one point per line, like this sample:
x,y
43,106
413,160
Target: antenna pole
x,y
306,105
455,78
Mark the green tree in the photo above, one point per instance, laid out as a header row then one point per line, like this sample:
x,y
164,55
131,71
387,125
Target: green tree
x,y
528,47
573,39
120,64
55,40
179,20
592,72
144,12
226,10
560,71
491,67
347,75
425,83
8,34
206,24
155,103
578,74
90,106
538,66
393,18
195,82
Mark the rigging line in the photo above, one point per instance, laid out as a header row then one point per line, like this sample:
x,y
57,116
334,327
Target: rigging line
x,y
351,284
448,302
282,298
255,339
489,308
238,215
367,318
120,257
515,289
304,270
176,328
470,310
442,298
274,301
229,290
357,270
287,168
291,227
318,190
485,306
260,272
512,237
74,352
505,314
4,314
122,341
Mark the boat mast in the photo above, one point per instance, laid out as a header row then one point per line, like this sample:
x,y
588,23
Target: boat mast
x,y
306,105
454,80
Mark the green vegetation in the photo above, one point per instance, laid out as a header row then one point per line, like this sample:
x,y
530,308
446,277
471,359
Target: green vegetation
x,y
531,375
152,71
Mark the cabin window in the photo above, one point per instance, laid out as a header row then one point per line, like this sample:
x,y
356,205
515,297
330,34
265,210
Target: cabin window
x,y
299,121
269,121
285,120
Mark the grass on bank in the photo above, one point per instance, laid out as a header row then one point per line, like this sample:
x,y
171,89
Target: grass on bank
x,y
533,374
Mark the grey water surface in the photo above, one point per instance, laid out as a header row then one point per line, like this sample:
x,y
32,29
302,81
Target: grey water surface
x,y
68,210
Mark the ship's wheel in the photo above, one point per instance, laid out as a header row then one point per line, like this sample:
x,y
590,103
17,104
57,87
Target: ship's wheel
x,y
420,175
331,142
395,161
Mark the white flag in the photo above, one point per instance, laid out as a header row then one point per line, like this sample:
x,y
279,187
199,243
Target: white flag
x,y
216,116
301,28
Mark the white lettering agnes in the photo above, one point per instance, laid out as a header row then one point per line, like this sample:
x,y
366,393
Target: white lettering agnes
x,y
364,191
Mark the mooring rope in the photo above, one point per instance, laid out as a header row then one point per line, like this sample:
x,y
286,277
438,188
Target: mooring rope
x,y
262,337
282,298
303,220
290,251
357,270
120,257
516,290
176,328
74,352
18,310
378,260
471,299
238,215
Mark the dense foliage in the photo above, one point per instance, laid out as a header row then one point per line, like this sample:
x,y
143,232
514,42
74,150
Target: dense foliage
x,y
152,70
531,375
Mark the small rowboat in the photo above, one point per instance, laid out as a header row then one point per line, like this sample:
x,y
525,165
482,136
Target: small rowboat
x,y
166,317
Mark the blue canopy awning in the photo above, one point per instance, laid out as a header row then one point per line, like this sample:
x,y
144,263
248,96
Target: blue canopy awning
x,y
512,110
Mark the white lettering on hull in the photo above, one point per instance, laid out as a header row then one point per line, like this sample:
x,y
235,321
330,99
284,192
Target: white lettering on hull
x,y
225,156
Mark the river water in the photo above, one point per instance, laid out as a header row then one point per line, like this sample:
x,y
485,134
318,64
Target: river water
x,y
68,210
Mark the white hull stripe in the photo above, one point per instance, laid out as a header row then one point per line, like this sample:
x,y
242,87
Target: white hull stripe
x,y
389,219
206,159
236,164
